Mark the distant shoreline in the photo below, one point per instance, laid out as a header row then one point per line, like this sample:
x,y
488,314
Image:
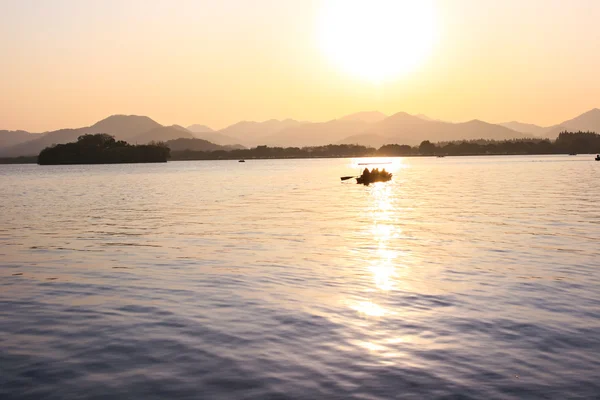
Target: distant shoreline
x,y
103,149
33,159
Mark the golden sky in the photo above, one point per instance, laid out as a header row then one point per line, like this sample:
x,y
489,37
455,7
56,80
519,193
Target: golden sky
x,y
69,63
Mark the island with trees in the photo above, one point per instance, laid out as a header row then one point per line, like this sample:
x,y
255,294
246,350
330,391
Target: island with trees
x,y
102,149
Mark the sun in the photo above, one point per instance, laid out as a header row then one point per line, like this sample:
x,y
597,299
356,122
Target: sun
x,y
377,40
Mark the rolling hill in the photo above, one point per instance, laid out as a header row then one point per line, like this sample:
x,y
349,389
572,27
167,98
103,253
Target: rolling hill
x,y
12,138
254,133
198,128
162,134
588,121
365,116
315,134
33,147
403,128
192,144
124,127
131,128
370,128
218,138
532,129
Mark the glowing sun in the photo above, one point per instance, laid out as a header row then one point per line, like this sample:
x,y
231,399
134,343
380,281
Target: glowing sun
x,y
377,40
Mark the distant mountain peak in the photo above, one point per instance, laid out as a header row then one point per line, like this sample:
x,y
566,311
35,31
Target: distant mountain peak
x,y
476,121
122,117
365,116
198,128
179,127
588,121
405,117
124,127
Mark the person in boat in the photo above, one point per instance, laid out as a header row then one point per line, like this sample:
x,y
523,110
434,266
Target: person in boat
x,y
366,174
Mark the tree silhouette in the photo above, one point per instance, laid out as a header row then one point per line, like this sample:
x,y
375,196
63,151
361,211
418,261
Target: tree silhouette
x,y
427,148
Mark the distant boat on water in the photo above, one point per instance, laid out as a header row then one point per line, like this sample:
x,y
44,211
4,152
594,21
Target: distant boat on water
x,y
242,161
572,154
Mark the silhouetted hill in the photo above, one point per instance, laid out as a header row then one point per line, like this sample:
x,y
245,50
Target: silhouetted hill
x,y
426,118
33,147
124,127
588,121
525,128
365,116
217,138
12,138
369,128
552,132
366,139
398,128
197,128
234,147
162,134
403,128
252,133
192,144
477,129
181,128
315,134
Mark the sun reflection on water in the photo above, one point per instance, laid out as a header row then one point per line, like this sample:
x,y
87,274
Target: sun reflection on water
x,y
370,309
381,260
384,264
384,271
383,267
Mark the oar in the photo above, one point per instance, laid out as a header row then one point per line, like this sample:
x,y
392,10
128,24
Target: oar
x,y
345,178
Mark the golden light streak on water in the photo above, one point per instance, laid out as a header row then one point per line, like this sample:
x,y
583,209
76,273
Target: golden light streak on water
x,y
369,308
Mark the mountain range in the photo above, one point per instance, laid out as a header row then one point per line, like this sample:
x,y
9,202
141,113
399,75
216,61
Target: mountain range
x,y
370,128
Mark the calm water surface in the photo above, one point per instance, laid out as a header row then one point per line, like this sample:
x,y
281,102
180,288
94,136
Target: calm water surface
x,y
467,277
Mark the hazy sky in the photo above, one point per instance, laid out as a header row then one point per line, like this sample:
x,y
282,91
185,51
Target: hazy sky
x,y
69,63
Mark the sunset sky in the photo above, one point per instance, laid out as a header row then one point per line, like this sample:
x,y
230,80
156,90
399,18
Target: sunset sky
x,y
69,63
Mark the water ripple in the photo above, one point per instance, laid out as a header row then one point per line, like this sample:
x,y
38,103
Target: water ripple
x,y
470,278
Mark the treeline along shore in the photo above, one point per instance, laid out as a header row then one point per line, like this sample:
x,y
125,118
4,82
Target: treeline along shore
x,y
566,143
104,149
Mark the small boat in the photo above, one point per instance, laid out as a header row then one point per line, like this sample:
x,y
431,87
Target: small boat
x,y
374,176
242,161
572,154
370,176
597,157
440,156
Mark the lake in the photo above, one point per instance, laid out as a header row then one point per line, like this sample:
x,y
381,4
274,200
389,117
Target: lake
x,y
463,277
